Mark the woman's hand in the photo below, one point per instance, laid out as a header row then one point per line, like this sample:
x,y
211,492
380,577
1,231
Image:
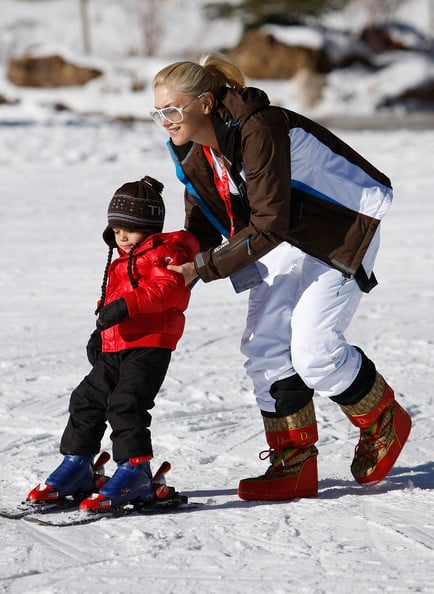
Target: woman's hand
x,y
187,270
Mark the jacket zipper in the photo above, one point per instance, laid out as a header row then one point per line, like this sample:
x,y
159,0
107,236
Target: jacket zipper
x,y
224,251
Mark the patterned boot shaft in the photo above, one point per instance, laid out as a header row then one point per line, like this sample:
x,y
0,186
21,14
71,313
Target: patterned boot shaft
x,y
293,470
384,429
380,445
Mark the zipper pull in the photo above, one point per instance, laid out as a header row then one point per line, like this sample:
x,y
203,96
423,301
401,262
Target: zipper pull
x,y
345,279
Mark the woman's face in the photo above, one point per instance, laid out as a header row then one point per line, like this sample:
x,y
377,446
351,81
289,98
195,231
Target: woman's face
x,y
195,125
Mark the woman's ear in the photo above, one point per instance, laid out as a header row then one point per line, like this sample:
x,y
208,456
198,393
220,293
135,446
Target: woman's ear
x,y
207,102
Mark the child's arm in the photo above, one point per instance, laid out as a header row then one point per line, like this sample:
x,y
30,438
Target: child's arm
x,y
112,314
159,290
163,290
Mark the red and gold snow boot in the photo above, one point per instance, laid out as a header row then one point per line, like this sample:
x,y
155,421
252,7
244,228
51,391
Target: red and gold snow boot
x,y
384,429
293,470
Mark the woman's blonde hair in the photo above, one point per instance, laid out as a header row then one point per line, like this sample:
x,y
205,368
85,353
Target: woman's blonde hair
x,y
210,74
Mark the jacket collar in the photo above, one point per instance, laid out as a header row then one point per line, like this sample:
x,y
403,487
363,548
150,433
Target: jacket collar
x,y
231,111
148,243
234,108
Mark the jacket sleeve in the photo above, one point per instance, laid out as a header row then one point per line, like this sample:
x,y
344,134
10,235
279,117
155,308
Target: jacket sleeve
x,y
266,158
184,247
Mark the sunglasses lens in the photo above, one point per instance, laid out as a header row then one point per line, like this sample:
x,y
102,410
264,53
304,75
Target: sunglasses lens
x,y
173,114
155,115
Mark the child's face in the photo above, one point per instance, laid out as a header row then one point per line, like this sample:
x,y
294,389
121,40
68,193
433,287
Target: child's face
x,y
126,238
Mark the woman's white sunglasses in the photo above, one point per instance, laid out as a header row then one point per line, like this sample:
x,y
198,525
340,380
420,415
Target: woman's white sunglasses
x,y
174,115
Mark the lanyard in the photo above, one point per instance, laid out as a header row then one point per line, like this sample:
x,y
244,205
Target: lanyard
x,y
222,184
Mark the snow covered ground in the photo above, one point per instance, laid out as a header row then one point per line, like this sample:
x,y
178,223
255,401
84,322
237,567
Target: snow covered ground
x,y
56,184
57,174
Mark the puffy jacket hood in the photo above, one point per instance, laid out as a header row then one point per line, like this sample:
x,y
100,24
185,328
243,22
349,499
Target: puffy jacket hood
x,y
235,108
232,110
187,240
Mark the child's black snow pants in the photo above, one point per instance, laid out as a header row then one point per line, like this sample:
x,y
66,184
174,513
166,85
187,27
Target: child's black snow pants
x,y
120,389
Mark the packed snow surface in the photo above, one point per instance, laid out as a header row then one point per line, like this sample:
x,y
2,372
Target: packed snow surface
x,y
56,184
58,172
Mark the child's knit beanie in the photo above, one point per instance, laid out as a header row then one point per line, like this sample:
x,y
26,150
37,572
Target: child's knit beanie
x,y
137,206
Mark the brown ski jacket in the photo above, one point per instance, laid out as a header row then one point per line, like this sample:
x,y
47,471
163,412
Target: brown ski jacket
x,y
296,180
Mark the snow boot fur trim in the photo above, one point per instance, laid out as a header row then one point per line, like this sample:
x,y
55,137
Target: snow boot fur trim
x,y
132,481
293,470
384,429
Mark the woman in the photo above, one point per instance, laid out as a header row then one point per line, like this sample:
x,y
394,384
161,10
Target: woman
x,y
300,213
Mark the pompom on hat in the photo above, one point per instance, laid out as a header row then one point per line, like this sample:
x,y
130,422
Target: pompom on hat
x,y
137,206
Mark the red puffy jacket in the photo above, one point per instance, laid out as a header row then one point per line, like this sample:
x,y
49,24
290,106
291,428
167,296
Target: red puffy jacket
x,y
155,308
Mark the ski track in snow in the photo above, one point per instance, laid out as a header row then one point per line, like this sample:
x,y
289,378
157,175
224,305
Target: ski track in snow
x,y
348,539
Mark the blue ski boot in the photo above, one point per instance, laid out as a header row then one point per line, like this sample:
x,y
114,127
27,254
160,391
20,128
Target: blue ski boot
x,y
75,475
132,481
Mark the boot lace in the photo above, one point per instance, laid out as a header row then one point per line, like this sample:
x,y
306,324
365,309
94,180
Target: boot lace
x,y
278,459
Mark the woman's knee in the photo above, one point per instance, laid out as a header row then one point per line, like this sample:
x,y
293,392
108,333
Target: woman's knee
x,y
327,370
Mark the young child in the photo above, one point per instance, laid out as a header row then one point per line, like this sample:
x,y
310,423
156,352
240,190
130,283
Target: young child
x,y
140,321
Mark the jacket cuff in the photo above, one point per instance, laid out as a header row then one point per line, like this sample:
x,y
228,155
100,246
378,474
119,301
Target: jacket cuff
x,y
201,268
199,262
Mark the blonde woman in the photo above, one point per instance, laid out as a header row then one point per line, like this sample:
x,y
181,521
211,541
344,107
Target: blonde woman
x,y
289,211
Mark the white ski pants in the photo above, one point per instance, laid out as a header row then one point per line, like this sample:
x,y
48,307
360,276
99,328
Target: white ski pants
x,y
296,322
